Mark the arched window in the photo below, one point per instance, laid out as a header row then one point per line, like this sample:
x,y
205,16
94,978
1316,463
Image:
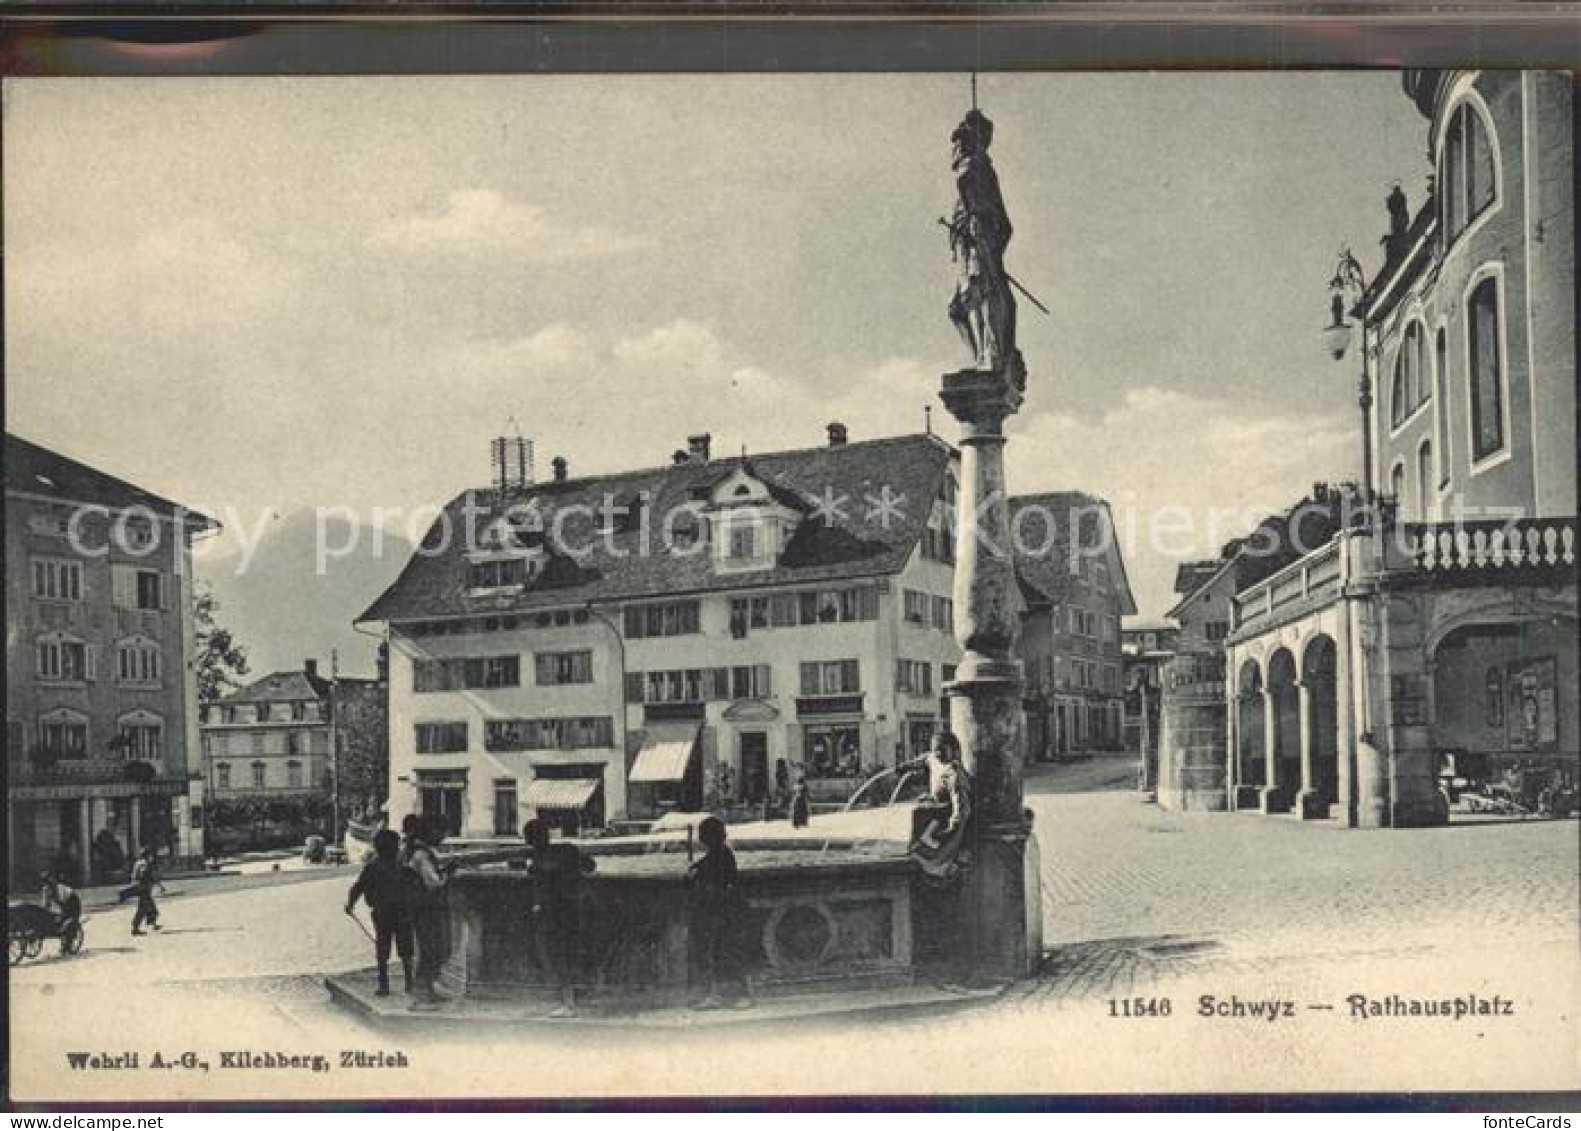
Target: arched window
x,y
61,656
1467,179
1397,394
1411,386
1397,484
1484,377
63,733
1441,377
137,660
1424,481
141,736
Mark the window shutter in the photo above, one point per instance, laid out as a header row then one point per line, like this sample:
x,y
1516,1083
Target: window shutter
x,y
809,679
123,586
764,680
543,662
90,661
634,687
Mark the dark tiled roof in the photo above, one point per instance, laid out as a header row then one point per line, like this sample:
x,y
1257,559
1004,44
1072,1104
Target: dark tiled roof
x,y
1277,541
1190,576
1043,565
854,542
36,470
279,687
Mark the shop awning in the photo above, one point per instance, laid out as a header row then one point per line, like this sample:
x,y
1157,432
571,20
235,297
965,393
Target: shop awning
x,y
560,793
663,759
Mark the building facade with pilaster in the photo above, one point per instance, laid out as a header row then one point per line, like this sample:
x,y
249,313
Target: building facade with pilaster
x,y
102,754
1430,650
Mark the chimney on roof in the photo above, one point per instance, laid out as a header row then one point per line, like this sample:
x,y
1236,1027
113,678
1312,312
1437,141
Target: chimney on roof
x,y
561,468
512,460
837,434
310,668
697,447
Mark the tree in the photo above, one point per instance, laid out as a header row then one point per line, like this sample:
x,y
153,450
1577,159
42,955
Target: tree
x,y
220,660
362,728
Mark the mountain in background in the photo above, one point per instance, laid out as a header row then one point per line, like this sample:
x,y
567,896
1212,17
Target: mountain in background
x,y
282,610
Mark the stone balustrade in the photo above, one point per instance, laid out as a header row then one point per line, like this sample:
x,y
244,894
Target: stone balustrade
x,y
1303,584
1493,545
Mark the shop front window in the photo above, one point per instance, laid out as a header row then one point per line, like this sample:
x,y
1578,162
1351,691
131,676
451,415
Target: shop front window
x,y
834,750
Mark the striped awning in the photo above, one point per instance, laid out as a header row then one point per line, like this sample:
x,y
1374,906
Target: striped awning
x,y
560,793
663,759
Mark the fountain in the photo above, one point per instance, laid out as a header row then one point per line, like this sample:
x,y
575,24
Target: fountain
x,y
843,905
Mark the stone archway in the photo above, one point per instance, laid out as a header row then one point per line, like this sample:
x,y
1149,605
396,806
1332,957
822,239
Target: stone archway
x,y
1250,760
1498,701
1320,717
1282,733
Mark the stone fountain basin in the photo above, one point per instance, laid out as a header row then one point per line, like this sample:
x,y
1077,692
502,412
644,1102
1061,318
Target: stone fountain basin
x,y
828,907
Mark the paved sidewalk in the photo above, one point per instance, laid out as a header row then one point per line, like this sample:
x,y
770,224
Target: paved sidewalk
x,y
1132,891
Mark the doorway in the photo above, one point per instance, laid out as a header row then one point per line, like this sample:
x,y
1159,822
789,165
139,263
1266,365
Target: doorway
x,y
441,806
754,750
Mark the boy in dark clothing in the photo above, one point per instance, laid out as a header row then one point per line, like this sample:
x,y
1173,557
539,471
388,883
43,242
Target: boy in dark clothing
x,y
556,871
801,806
718,908
61,901
145,877
428,906
384,885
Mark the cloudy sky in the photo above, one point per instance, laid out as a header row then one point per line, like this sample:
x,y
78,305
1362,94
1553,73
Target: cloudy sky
x,y
259,295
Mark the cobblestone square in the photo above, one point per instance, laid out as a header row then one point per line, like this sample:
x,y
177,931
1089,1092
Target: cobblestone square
x,y
1138,904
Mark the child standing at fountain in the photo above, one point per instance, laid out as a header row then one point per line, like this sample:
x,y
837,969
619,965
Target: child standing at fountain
x,y
557,871
428,906
384,884
717,911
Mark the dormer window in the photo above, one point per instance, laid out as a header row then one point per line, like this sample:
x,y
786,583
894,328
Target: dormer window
x,y
499,573
938,536
743,542
509,555
752,521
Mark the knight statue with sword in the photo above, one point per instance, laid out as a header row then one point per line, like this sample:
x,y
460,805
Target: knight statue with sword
x,y
983,307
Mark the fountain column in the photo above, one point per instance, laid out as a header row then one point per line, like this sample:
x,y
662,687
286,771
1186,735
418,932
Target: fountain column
x,y
1003,897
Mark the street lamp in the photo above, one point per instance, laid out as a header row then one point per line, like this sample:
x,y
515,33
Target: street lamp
x,y
1350,284
1338,333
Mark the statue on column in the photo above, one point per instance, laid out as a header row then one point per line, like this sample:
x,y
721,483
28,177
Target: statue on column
x,y
983,308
